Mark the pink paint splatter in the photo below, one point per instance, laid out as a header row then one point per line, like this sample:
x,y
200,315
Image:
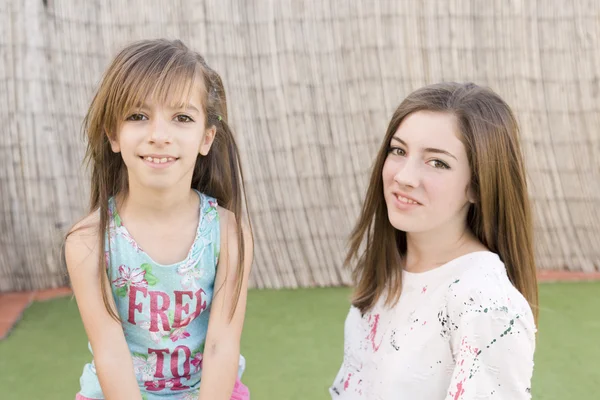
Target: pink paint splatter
x,y
347,382
459,390
424,289
373,333
467,348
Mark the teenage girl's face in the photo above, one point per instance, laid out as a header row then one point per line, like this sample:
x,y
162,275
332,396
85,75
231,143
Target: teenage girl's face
x,y
159,143
426,175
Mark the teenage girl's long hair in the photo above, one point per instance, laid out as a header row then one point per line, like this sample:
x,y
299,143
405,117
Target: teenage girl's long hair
x,y
500,218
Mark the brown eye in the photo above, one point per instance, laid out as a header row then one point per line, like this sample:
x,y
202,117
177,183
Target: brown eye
x,y
183,118
137,117
396,151
439,164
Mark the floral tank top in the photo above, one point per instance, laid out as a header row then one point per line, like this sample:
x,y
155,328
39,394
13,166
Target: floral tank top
x,y
164,309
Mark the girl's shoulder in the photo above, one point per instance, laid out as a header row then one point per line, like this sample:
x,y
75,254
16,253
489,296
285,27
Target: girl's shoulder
x,y
85,230
230,233
82,245
229,226
483,287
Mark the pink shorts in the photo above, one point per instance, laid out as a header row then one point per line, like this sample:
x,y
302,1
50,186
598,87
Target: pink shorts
x,y
240,392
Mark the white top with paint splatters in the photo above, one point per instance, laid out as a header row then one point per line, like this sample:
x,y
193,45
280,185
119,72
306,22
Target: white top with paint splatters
x,y
459,332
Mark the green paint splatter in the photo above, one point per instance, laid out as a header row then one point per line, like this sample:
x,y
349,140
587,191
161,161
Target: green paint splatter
x,y
512,322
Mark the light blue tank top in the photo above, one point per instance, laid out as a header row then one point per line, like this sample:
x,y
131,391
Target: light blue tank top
x,y
164,309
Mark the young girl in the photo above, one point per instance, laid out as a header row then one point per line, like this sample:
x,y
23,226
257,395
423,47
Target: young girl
x,y
445,284
160,266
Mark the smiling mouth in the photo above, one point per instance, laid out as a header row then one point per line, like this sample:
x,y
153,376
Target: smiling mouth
x,y
405,200
158,160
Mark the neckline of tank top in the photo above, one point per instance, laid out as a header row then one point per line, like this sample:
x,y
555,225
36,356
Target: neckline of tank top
x,y
190,251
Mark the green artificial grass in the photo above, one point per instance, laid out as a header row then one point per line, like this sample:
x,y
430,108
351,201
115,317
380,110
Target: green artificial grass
x,y
293,342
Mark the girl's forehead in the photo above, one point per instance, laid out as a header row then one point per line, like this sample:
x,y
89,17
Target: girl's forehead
x,y
174,95
427,131
429,126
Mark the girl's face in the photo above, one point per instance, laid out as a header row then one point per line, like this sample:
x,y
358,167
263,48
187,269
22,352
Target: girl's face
x,y
159,143
426,175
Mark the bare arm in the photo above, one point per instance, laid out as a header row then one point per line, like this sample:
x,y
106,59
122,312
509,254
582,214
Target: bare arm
x,y
222,348
111,354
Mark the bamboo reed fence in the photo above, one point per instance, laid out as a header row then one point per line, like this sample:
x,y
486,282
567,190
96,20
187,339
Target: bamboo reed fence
x,y
311,86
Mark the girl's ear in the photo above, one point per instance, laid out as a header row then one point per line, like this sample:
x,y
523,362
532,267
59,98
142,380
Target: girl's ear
x,y
207,140
114,143
471,195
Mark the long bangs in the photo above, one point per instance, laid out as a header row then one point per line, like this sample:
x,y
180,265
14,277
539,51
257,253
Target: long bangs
x,y
162,76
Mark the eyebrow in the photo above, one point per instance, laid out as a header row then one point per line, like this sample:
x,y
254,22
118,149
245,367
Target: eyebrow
x,y
428,149
187,107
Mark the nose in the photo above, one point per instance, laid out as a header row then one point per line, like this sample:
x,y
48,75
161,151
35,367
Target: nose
x,y
407,174
160,131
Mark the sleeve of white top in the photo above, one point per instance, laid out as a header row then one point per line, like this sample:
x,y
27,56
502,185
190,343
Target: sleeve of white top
x,y
493,351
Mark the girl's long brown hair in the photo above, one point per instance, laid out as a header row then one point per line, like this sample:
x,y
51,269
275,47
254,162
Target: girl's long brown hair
x,y
500,218
164,70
